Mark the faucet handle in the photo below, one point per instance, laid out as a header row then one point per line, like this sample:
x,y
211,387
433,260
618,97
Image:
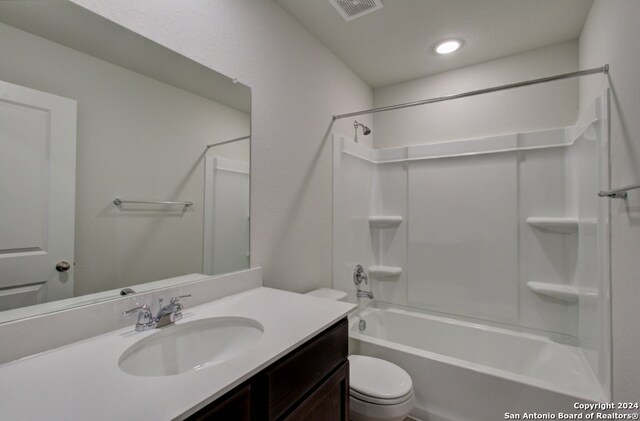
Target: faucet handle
x,y
145,317
177,307
359,275
175,300
142,309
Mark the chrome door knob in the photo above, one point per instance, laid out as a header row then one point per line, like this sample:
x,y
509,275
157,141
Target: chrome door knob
x,y
63,266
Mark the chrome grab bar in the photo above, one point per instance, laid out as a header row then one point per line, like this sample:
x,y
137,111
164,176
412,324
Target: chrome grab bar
x,y
117,201
620,193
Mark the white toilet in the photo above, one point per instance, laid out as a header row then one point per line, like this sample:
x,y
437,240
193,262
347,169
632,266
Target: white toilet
x,y
378,390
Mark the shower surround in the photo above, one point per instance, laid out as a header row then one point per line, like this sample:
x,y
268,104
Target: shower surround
x,y
505,233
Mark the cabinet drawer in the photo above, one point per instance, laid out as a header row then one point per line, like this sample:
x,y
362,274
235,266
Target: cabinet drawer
x,y
296,374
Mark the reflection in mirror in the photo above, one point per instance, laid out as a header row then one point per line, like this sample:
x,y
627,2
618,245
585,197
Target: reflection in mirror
x,y
226,207
107,174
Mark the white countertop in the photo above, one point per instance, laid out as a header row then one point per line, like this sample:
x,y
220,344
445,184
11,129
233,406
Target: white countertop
x,y
83,381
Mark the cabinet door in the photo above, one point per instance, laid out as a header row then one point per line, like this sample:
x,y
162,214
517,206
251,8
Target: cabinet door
x,y
296,375
329,402
234,406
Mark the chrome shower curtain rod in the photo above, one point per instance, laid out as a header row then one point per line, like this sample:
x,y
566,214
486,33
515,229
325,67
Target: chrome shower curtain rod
x,y
228,141
604,69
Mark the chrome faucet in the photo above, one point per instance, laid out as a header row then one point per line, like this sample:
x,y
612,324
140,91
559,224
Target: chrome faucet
x,y
364,294
166,314
359,275
145,317
170,313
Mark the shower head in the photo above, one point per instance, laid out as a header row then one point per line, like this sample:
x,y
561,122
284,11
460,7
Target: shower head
x,y
365,130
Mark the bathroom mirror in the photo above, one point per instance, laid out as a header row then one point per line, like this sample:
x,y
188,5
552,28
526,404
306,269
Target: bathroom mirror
x,y
122,163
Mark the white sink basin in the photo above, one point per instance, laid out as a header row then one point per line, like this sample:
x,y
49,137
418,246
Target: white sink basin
x,y
190,346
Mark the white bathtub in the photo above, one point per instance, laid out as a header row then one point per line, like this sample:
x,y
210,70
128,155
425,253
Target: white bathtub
x,y
466,371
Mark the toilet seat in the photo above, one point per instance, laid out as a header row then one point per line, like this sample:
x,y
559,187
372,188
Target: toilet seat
x,y
378,381
378,401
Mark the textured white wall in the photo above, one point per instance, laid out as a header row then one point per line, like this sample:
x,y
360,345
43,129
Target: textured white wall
x,y
297,84
611,35
523,109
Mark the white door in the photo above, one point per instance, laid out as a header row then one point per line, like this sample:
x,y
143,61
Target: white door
x,y
37,196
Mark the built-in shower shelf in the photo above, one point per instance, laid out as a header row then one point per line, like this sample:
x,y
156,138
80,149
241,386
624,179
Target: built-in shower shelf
x,y
560,225
384,271
379,221
558,291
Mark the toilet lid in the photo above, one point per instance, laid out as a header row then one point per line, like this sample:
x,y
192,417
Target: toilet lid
x,y
379,379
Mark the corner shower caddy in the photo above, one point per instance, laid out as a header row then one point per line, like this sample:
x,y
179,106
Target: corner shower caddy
x,y
381,222
566,293
559,225
384,271
384,222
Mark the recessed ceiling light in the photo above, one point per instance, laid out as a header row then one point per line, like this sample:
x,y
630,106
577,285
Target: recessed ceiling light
x,y
448,47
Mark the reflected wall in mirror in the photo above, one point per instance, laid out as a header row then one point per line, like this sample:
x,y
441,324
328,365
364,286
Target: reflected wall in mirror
x,y
91,112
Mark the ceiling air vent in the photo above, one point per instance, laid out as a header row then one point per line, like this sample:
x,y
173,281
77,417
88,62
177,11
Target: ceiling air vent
x,y
351,9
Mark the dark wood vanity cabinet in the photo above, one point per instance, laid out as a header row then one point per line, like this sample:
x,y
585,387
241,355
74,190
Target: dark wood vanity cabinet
x,y
309,383
328,402
235,405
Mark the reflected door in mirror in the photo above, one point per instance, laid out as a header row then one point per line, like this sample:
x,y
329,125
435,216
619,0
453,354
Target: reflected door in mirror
x,y
37,181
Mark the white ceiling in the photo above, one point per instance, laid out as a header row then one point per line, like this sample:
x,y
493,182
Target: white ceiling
x,y
396,43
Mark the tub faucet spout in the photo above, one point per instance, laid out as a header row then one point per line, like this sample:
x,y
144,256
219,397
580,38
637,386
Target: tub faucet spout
x,y
364,294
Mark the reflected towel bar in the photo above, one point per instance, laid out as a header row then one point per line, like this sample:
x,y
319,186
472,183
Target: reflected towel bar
x,y
620,193
118,202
